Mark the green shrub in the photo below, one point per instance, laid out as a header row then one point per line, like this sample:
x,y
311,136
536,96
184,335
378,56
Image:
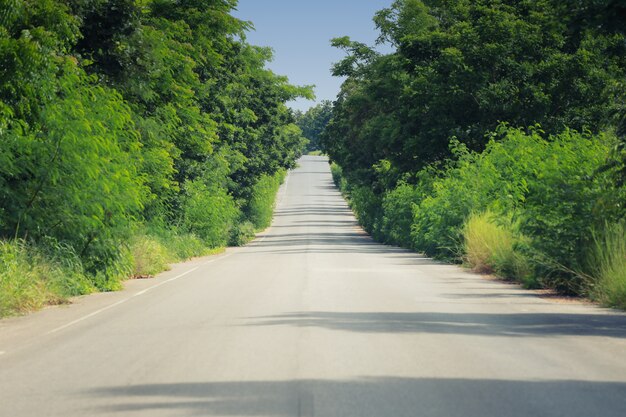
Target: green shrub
x,y
108,273
150,256
183,246
608,265
338,178
398,214
552,187
260,207
368,209
242,233
451,195
208,212
20,291
155,246
484,241
73,173
66,275
179,245
566,198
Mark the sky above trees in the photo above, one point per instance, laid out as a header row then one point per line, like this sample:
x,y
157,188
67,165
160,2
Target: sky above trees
x,y
299,32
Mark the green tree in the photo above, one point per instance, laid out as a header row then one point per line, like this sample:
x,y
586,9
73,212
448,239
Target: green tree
x,y
115,112
313,123
459,70
70,145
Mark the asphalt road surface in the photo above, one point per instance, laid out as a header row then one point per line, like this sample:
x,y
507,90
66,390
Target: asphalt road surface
x,y
315,319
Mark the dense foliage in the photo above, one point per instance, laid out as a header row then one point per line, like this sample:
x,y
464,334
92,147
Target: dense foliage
x,y
463,67
473,126
118,113
313,122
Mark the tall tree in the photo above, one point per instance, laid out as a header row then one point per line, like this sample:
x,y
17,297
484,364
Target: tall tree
x,y
313,122
460,69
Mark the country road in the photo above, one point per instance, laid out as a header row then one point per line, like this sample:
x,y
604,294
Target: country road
x,y
315,319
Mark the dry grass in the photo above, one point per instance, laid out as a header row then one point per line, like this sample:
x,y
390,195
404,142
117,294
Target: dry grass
x,y
31,278
490,247
608,263
149,256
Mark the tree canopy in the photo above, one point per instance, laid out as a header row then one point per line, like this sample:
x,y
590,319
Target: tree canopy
x,y
114,112
313,122
492,125
461,68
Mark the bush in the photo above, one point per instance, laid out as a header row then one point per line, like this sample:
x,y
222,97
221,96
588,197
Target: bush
x,y
552,187
66,275
73,174
449,197
108,273
540,199
368,209
183,246
208,212
566,198
156,245
242,233
608,266
398,214
260,207
338,177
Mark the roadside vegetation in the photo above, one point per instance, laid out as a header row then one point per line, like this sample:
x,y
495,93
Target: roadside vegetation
x,y
133,134
492,136
312,123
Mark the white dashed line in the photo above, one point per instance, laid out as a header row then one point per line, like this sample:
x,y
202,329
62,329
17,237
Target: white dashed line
x,y
164,282
95,313
65,326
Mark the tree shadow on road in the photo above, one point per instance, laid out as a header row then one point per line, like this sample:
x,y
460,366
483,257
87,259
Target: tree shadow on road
x,y
509,325
369,397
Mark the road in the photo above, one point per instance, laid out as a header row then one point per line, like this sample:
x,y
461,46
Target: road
x,y
315,319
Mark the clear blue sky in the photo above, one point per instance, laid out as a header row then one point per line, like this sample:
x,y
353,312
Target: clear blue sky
x,y
299,32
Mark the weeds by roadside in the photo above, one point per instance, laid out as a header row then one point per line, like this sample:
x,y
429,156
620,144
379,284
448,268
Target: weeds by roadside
x,y
525,209
608,266
35,275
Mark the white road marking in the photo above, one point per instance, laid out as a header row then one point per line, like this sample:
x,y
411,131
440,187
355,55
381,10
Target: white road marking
x,y
65,326
164,282
95,313
217,259
2,352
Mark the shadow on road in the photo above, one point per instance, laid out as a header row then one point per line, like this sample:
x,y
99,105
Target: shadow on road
x,y
371,397
510,325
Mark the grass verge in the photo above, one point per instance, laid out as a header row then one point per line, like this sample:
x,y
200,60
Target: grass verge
x,y
491,246
31,277
608,265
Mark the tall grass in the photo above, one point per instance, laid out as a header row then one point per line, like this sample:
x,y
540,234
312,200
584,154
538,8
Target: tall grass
x,y
491,245
608,265
260,208
155,247
31,278
485,242
35,275
150,256
338,178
